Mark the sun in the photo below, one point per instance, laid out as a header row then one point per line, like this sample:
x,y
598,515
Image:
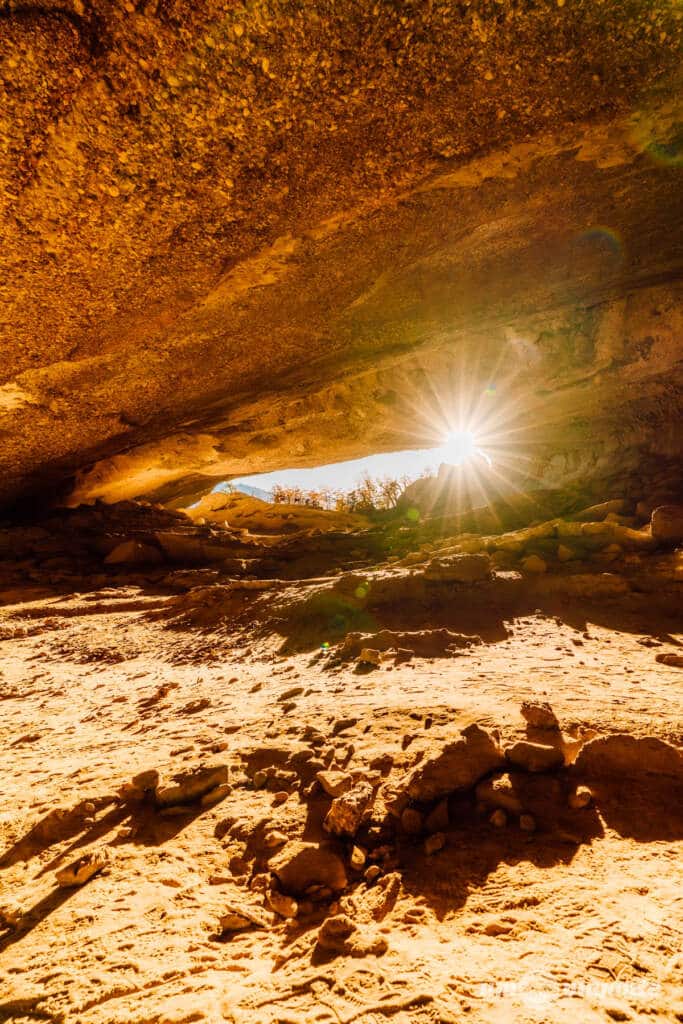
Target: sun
x,y
459,446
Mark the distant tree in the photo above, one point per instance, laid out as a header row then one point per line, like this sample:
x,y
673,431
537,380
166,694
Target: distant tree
x,y
371,494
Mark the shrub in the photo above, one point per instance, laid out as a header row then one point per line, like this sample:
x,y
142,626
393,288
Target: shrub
x,y
371,494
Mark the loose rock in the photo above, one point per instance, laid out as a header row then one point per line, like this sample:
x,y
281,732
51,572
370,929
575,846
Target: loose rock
x,y
347,812
335,783
499,792
81,870
357,858
672,660
581,797
534,757
190,786
274,839
242,915
282,904
539,715
301,865
214,796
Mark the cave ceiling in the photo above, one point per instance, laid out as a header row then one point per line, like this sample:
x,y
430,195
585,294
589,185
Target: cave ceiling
x,y
238,237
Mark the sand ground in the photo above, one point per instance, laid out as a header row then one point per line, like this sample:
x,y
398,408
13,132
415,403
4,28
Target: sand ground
x,y
498,926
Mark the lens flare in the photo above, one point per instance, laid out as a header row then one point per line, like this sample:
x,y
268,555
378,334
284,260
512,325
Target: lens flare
x,y
660,141
603,239
460,447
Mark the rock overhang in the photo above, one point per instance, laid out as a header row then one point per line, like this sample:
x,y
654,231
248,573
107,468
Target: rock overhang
x,y
226,255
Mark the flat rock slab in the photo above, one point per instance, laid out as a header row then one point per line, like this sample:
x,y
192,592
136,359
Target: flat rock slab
x,y
190,786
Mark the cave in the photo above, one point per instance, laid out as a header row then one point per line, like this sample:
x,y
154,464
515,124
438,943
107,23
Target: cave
x,y
341,511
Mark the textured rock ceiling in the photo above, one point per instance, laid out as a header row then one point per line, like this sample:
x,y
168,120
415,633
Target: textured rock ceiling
x,y
242,236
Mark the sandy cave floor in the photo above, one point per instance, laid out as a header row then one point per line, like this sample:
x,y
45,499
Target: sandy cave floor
x,y
499,925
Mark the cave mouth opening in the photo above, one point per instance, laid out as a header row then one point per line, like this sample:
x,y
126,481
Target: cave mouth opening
x,y
460,448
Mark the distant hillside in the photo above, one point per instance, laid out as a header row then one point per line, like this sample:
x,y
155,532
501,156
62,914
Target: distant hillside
x,y
254,492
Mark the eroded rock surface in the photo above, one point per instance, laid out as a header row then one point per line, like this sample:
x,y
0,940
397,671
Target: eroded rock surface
x,y
234,238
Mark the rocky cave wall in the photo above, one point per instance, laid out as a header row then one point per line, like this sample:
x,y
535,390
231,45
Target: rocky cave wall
x,y
243,236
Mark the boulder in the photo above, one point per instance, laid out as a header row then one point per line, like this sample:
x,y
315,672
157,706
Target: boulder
x,y
348,811
357,858
667,523
621,520
670,659
335,783
187,787
626,756
455,765
534,564
534,757
370,656
301,865
563,528
601,529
